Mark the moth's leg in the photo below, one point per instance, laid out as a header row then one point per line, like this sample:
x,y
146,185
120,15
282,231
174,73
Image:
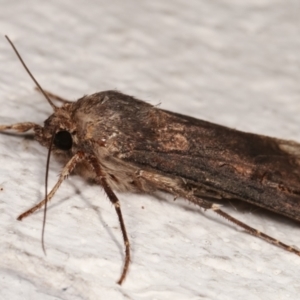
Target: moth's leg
x,y
173,186
67,169
256,232
53,96
177,188
20,127
115,201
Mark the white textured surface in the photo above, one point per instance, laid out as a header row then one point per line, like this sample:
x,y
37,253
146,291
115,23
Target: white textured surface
x,y
234,62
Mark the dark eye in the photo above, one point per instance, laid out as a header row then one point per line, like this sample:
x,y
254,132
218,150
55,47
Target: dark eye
x,y
63,140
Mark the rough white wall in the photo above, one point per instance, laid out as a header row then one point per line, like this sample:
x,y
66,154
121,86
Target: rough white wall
x,y
231,62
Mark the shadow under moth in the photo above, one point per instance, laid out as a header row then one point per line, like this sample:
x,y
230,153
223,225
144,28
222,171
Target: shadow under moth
x,y
126,144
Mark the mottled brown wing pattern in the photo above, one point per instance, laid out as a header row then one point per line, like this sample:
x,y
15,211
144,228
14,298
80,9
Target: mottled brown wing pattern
x,y
258,169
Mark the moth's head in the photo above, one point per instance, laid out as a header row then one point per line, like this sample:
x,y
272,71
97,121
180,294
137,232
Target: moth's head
x,y
59,130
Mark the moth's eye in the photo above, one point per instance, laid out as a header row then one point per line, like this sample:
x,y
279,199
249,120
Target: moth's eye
x,y
63,140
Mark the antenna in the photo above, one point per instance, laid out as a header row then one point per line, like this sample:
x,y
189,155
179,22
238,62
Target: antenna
x,y
29,73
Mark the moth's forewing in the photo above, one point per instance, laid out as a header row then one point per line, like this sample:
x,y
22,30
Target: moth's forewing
x,y
225,162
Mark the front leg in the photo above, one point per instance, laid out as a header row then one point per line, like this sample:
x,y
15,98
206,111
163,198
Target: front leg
x,y
66,171
20,127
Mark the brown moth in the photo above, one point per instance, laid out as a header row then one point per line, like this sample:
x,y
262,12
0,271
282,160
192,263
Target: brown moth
x,y
126,144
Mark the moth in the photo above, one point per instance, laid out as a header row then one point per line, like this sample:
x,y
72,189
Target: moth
x,y
126,144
